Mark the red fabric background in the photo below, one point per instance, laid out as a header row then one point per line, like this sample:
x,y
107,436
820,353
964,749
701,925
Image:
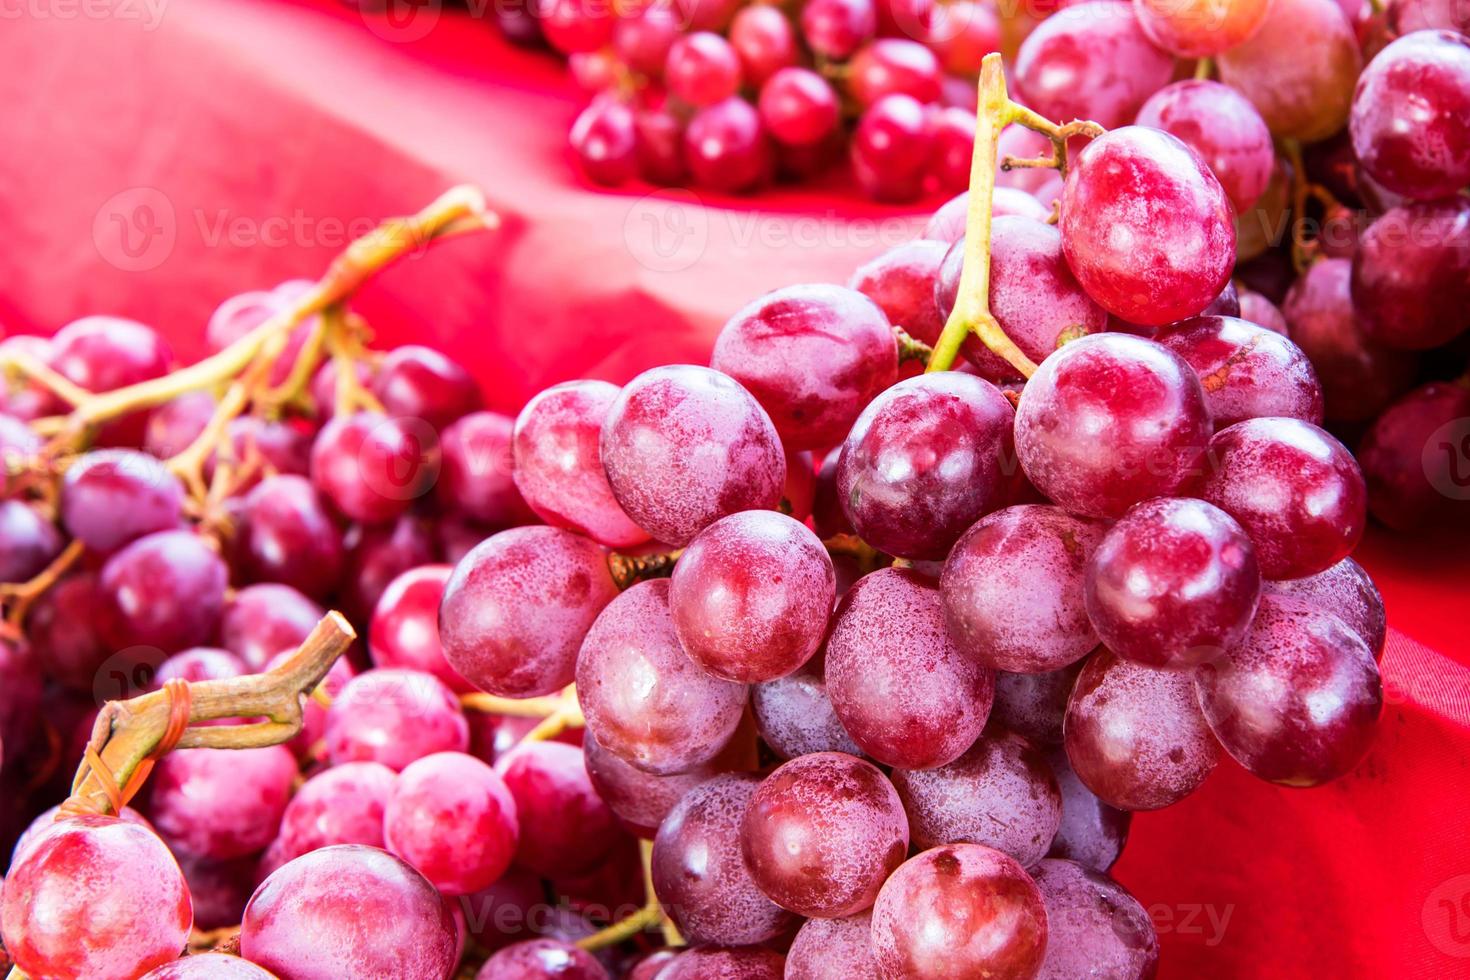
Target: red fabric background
x,y
251,138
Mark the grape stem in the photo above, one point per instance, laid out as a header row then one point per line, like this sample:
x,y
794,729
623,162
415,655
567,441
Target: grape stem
x,y
971,312
1305,252
911,348
650,915
628,570
21,595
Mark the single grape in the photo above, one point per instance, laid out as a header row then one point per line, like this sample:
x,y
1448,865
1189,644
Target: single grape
x,y
702,69
644,698
1147,228
283,446
1135,736
104,353
517,606
1297,69
699,875
893,65
505,912
751,596
822,833
799,107
65,635
418,382
947,224
1110,420
962,34
1220,125
929,457
1200,28
1296,490
1091,61
642,39
478,474
837,28
891,148
114,496
208,966
575,26
902,688
376,554
1262,312
1346,591
1411,275
1094,927
963,910
349,911
684,446
164,590
340,805
262,620
404,631
451,817
901,281
726,146
1000,793
795,717
1032,705
833,949
722,963
765,41
199,664
28,542
1091,832
94,896
565,827
288,536
542,959
371,468
640,799
660,143
219,804
1247,371
1412,460
394,716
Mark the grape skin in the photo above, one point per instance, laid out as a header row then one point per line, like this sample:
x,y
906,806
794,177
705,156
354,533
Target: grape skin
x,y
1411,275
453,819
1092,833
1247,371
1094,927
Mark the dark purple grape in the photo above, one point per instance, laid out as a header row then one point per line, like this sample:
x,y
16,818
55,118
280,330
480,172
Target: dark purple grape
x,y
1094,927
1411,275
1413,458
1247,371
287,536
165,590
1091,832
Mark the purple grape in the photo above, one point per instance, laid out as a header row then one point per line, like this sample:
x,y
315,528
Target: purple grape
x,y
1094,927
1345,591
795,717
1411,275
726,963
114,496
1091,832
832,949
287,536
1221,125
28,542
165,590
260,621
218,804
1032,705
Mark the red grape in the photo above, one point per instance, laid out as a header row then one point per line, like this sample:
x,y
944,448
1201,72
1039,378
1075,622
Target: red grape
x,y
379,553
837,28
1094,927
420,383
1032,705
799,107
394,716
451,817
1200,28
795,717
287,536
965,910
575,26
963,32
404,631
566,828
901,281
262,620
371,467
1135,735
114,496
1091,832
891,148
1297,701
506,911
822,833
1413,458
340,805
477,478
1345,591
892,65
517,606
640,799
104,353
219,804
660,143
209,966
726,147
947,224
1405,16
721,963
165,590
1247,371
65,636
542,959
28,541
833,949
1262,312
702,69
1220,125
763,37
1411,275
642,39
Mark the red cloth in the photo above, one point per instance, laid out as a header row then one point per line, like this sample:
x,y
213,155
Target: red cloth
x,y
263,134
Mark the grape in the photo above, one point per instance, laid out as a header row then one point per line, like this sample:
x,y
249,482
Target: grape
x,y
164,590
719,963
1411,460
371,467
726,147
813,356
209,966
642,39
1408,115
1091,832
1296,490
925,460
64,634
557,468
1033,294
702,69
1091,61
575,26
29,400
1220,125
1000,793
837,28
653,964
901,282
262,620
964,910
404,631
340,805
640,799
283,446
542,959
1135,736
379,553
517,606
604,138
660,143
287,536
1146,227
948,223
902,688
1174,583
114,496
1359,377
1200,28
451,817
644,699
566,828
1094,927
698,873
822,833
104,353
1297,701
47,818
219,804
1405,16
477,478
706,15
1297,69
1032,705
349,911
1265,226
1262,312
418,382
765,41
893,65
751,596
1345,591
1012,589
394,716
18,447
962,34
1110,420
94,896
795,717
506,911
1411,275
832,949
799,107
891,147
28,541
683,446
1247,371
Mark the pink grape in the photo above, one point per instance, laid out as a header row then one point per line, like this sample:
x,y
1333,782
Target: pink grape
x,y
684,446
94,896
574,26
288,536
1032,705
542,959
516,609
1093,926
111,497
371,468
208,966
924,461
795,717
451,817
726,147
822,833
644,698
837,28
307,920
960,910
404,631
340,805
813,356
1261,311
104,353
477,479
832,949
1092,833
1411,275
891,148
765,41
1345,591
221,803
565,827
751,595
1110,420
1135,735
799,107
905,692
262,620
1297,701
1200,28
1173,583
1220,125
28,542
702,68
640,799
722,963
1295,489
698,872
1000,793
893,65
1246,371
164,590
901,282
1147,228
642,39
947,224
418,382
394,716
